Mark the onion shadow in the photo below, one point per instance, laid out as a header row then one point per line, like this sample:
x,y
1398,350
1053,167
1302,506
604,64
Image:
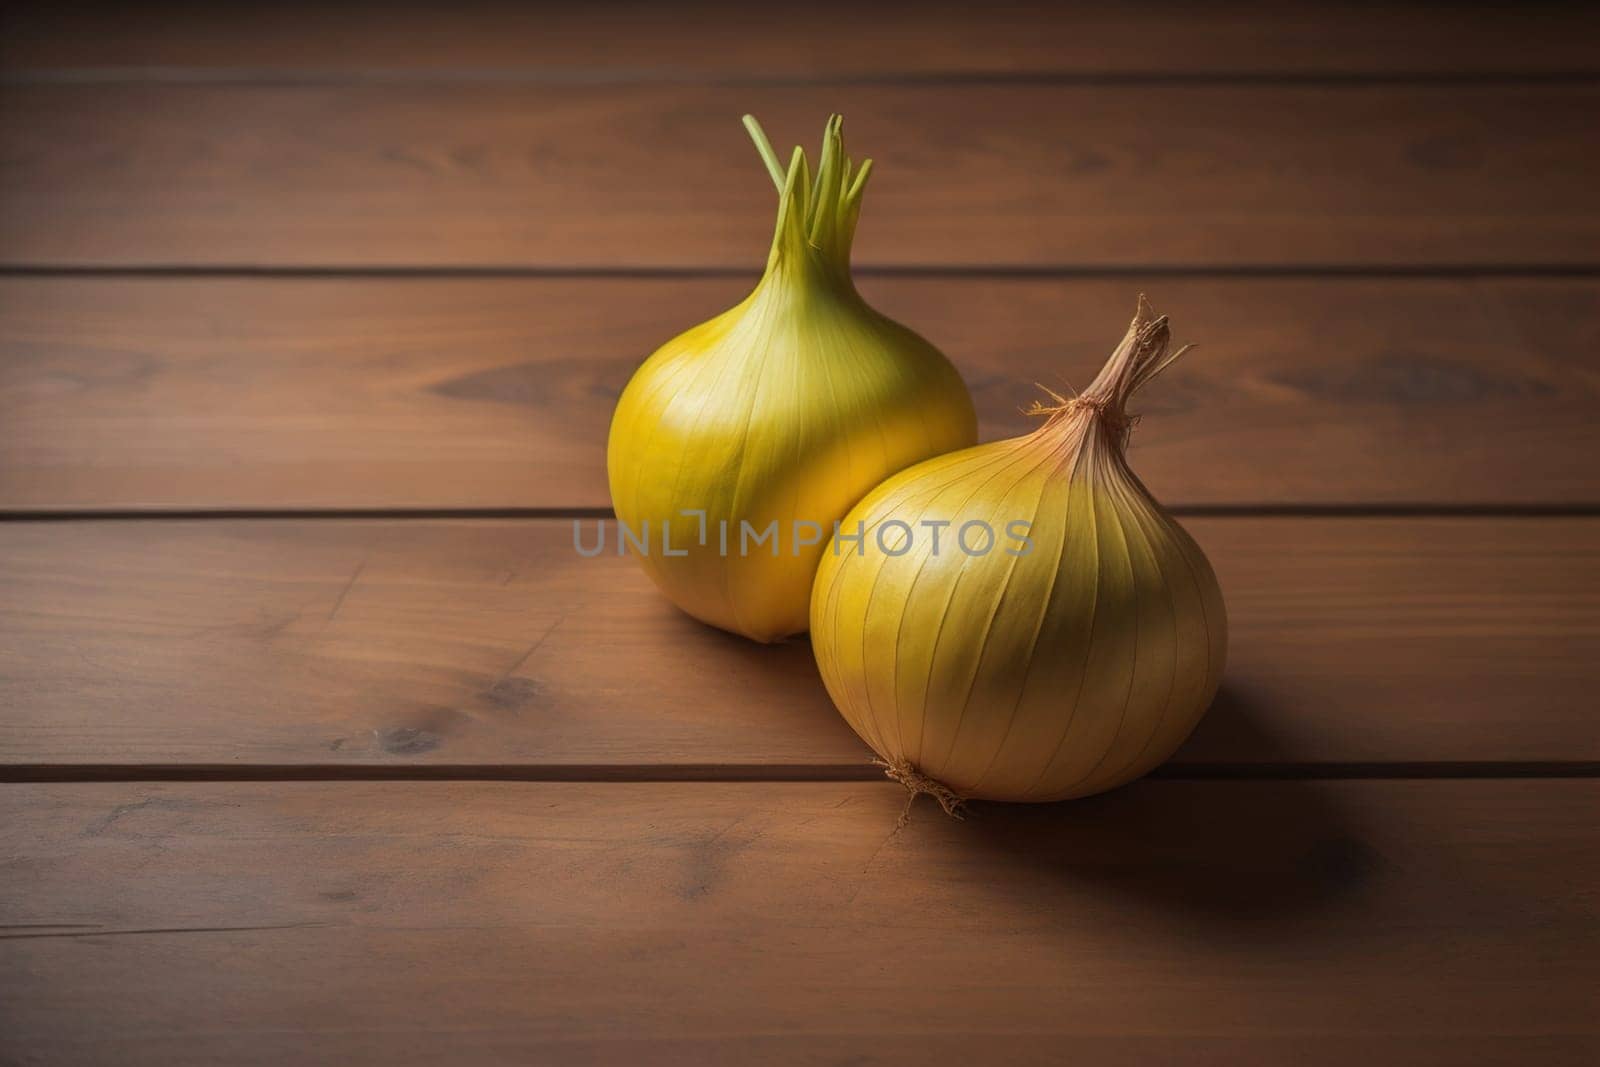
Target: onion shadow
x,y
1218,848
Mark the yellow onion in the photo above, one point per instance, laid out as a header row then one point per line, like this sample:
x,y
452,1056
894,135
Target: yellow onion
x,y
776,416
1074,655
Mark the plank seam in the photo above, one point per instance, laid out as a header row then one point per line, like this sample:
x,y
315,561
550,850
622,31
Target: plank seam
x,y
1046,271
1192,511
840,772
272,78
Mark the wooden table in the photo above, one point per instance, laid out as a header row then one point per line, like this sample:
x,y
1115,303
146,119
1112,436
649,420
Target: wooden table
x,y
319,745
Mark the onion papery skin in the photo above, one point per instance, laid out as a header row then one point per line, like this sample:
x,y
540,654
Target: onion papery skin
x,y
789,406
1067,670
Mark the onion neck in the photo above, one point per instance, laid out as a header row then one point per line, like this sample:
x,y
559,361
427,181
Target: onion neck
x,y
1134,364
816,216
1103,405
798,273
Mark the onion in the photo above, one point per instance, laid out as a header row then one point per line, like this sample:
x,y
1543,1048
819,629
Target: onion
x,y
1074,655
737,445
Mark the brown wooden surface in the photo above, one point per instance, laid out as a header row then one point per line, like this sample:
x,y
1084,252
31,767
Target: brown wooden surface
x,y
1216,922
489,643
560,176
497,392
647,41
452,231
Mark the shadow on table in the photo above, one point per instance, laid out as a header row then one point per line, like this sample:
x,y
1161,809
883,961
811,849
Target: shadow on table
x,y
1217,850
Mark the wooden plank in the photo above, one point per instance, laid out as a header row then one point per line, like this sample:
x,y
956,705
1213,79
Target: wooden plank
x,y
564,176
641,41
1211,922
498,392
490,643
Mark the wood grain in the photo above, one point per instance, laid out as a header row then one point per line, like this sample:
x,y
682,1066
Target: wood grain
x,y
986,175
1213,922
642,41
491,644
207,393
1379,223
